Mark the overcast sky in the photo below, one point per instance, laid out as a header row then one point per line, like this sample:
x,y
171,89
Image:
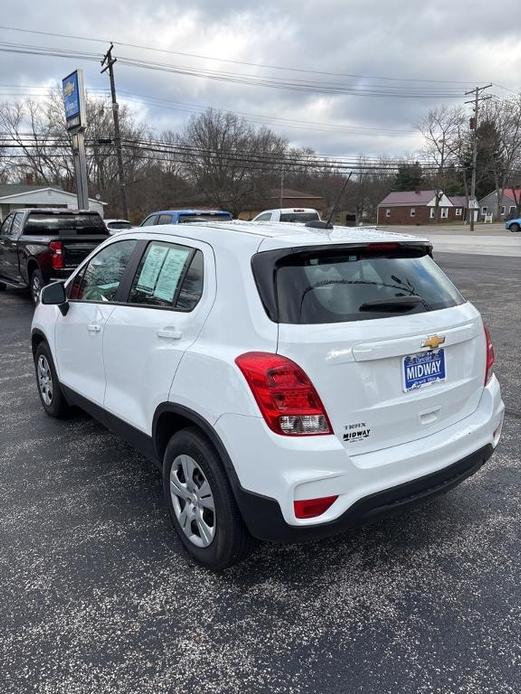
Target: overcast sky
x,y
454,43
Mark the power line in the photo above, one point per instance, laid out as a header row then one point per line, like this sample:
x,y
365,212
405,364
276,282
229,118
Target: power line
x,y
233,61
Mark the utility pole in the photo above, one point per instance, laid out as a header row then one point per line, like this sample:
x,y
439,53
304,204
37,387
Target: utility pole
x,y
109,60
474,126
281,188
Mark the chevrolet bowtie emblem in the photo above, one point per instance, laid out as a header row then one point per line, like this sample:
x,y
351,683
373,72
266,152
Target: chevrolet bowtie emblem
x,y
433,341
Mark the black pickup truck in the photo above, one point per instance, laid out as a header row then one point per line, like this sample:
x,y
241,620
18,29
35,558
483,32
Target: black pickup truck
x,y
38,246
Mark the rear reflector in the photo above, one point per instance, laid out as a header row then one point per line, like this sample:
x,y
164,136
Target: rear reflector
x,y
286,397
490,358
311,508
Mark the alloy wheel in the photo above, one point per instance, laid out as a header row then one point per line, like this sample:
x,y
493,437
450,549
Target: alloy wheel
x,y
36,287
193,501
45,380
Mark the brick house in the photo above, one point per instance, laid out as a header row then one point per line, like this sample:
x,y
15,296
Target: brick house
x,y
419,207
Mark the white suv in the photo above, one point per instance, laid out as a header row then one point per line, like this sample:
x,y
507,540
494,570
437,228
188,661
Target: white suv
x,y
291,383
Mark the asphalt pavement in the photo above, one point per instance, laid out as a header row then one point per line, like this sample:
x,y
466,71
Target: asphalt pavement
x,y
97,596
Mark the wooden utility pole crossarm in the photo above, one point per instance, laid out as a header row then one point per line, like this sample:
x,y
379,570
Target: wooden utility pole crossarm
x,y
474,126
109,61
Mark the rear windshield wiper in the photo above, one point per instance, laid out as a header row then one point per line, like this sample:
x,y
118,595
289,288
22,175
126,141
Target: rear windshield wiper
x,y
397,303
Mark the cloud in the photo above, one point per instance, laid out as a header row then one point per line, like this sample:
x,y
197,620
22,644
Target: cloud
x,y
385,45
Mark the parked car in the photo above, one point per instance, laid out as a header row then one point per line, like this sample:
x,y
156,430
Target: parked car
x,y
38,246
183,216
513,224
116,225
290,383
288,214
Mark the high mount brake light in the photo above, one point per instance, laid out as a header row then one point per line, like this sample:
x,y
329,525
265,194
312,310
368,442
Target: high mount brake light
x,y
490,357
57,259
286,397
384,246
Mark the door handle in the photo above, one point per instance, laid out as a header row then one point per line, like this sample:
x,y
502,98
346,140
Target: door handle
x,y
169,334
94,328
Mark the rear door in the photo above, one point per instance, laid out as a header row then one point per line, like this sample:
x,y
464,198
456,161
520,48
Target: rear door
x,y
392,348
167,303
6,256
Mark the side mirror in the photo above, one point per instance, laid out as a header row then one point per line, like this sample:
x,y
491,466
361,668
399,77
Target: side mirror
x,y
54,294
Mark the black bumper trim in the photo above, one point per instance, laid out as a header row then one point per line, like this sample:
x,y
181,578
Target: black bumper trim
x,y
265,521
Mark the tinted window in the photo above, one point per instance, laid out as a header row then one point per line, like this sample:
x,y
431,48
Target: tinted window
x,y
357,284
16,228
205,217
44,224
6,225
192,287
265,217
298,216
149,221
100,279
165,219
159,273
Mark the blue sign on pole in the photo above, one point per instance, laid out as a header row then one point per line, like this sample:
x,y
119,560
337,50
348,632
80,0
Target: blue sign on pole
x,y
72,88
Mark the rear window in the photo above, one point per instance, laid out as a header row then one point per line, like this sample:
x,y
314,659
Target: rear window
x,y
299,216
204,217
119,225
351,284
45,224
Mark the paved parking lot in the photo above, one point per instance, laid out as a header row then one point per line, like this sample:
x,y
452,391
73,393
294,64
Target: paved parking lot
x,y
96,595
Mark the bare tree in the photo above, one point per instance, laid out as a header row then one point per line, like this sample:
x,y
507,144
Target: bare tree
x,y
442,128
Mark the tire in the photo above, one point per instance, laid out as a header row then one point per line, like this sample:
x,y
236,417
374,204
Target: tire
x,y
36,284
49,390
215,538
515,227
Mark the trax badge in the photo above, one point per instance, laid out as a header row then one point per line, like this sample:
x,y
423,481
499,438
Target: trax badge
x,y
433,341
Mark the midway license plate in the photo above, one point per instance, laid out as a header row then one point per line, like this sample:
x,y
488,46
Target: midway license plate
x,y
423,368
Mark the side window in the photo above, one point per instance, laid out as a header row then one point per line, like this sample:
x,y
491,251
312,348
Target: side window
x,y
6,225
191,288
16,227
165,219
160,272
149,221
99,280
264,217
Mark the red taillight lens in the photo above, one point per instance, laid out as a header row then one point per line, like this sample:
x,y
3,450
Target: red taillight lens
x,y
57,259
311,508
286,397
491,357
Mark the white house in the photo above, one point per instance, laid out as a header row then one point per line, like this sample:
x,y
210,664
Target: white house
x,y
18,195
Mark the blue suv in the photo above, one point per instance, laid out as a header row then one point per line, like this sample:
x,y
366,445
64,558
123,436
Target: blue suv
x,y
182,216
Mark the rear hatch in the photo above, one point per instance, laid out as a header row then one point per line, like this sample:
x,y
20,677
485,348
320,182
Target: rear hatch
x,y
391,346
78,232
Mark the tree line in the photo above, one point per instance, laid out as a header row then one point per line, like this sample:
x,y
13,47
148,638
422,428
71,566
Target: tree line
x,y
219,159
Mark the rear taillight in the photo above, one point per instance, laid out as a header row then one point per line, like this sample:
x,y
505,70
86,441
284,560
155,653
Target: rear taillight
x,y
311,508
57,259
286,397
491,357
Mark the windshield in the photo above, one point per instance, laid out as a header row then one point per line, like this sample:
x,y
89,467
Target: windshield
x,y
204,217
45,224
356,284
299,216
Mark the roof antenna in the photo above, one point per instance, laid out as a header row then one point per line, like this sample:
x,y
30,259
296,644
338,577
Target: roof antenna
x,y
319,223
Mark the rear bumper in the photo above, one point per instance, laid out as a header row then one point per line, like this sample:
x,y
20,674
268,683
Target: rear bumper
x,y
264,518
